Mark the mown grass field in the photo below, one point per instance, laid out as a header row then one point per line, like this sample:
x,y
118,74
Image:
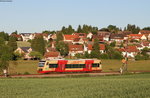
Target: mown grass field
x,y
23,44
126,86
21,66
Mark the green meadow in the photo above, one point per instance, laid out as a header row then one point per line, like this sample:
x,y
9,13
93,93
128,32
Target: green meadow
x,y
125,86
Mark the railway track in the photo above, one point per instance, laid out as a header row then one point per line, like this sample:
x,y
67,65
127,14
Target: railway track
x,y
92,74
62,75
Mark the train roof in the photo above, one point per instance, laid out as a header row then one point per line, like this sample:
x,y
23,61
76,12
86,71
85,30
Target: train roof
x,y
67,59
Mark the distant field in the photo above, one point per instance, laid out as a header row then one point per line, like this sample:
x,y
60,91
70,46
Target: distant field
x,y
21,66
126,86
114,65
23,44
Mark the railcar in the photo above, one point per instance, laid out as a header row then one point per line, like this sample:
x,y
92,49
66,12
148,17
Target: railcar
x,y
81,65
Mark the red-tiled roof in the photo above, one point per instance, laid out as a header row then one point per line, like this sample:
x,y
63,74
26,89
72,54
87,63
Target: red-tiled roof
x,y
81,35
15,35
136,36
76,48
102,47
145,43
76,39
51,54
70,37
129,49
144,31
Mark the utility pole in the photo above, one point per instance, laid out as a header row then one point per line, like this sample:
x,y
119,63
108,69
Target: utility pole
x,y
126,58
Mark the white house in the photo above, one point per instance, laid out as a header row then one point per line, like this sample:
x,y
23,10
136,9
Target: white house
x,y
27,36
89,35
75,49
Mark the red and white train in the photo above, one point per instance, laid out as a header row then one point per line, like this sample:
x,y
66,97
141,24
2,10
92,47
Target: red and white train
x,y
81,65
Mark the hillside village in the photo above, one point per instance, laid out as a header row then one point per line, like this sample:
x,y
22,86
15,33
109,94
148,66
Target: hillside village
x,y
125,42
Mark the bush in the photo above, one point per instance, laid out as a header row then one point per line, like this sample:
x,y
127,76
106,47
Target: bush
x,y
26,73
104,56
141,57
117,55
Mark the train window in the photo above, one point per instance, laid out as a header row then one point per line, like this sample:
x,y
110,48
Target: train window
x,y
53,65
75,65
95,65
41,64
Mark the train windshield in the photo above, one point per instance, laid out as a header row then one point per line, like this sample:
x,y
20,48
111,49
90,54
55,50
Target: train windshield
x,y
41,64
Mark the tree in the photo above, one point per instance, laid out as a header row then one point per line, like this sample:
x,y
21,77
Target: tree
x,y
15,32
95,53
36,55
18,55
70,30
113,28
146,28
49,32
38,44
5,56
133,28
59,36
62,48
113,44
2,41
104,29
4,35
117,55
79,30
86,55
12,43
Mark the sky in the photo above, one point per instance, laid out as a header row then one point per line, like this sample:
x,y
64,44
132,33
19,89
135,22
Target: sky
x,y
29,16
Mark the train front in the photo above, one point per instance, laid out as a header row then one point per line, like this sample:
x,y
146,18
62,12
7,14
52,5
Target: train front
x,y
41,66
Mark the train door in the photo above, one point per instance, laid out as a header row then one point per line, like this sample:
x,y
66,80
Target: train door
x,y
88,65
61,65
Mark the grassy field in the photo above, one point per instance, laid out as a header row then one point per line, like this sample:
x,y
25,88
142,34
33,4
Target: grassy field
x,y
21,67
114,65
126,86
23,44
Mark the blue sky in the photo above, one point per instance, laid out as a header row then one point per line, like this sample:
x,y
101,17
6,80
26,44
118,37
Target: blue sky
x,y
39,15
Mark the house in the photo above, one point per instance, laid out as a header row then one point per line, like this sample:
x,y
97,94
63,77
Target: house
x,y
103,33
99,37
25,51
52,48
117,37
89,35
129,51
18,37
44,35
70,38
144,32
52,55
75,49
125,33
137,37
27,36
80,35
53,36
78,41
101,46
139,46
145,44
